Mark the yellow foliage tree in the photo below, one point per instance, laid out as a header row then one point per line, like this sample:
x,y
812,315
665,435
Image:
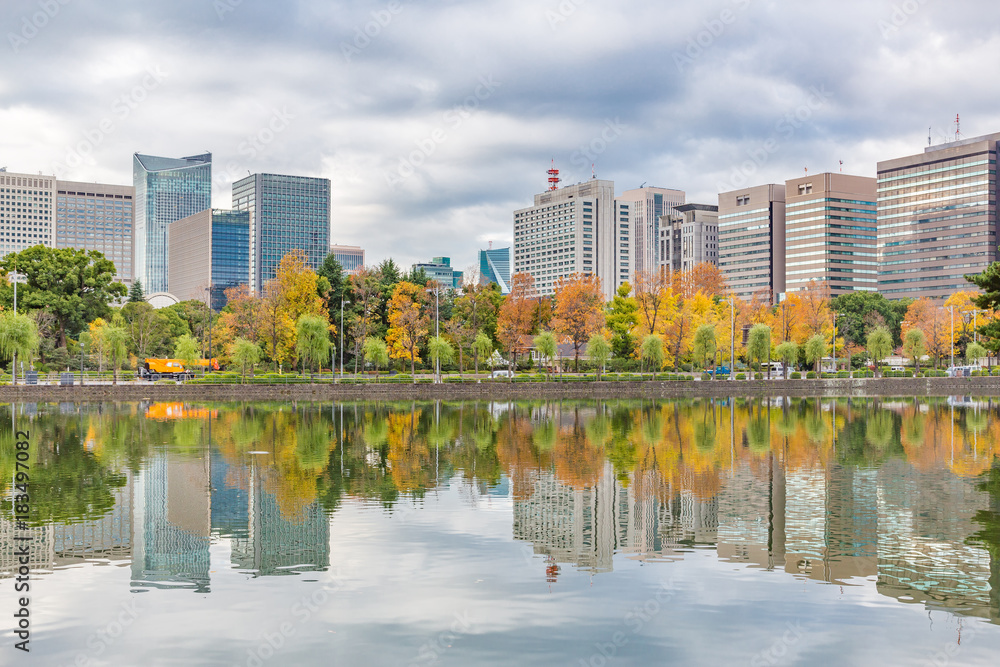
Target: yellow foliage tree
x,y
408,324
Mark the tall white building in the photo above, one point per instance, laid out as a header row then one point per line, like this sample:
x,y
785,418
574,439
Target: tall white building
x,y
27,211
647,205
575,229
96,216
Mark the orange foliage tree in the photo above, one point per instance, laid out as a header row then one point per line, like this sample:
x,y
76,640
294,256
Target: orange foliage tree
x,y
408,324
579,311
808,311
516,315
931,318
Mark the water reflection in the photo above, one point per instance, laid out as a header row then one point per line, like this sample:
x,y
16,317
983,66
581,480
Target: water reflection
x,y
905,493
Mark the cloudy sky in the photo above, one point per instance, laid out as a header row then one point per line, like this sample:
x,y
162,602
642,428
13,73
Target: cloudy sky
x,y
436,119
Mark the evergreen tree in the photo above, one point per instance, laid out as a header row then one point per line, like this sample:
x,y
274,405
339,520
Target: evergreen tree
x,y
135,294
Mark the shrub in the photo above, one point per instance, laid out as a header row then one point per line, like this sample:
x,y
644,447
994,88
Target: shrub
x,y
796,375
706,377
741,376
811,375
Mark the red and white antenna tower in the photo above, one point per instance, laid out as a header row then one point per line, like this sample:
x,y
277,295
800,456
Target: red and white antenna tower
x,y
958,127
554,177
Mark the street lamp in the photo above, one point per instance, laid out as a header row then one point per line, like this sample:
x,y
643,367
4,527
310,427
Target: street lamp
x,y
342,302
952,309
208,302
835,316
732,337
15,277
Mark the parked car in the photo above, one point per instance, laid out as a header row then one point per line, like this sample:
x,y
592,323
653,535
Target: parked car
x,y
502,374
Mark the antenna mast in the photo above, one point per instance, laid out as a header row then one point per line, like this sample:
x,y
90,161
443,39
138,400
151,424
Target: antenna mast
x,y
958,127
553,177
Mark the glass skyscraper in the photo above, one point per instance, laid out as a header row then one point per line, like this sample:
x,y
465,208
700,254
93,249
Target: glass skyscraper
x,y
286,213
209,250
166,190
494,267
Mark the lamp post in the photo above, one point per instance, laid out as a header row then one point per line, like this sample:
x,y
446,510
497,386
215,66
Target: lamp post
x,y
834,342
341,337
732,338
208,302
975,331
437,333
15,276
82,343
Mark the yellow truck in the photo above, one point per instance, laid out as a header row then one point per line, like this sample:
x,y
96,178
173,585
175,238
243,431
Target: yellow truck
x,y
172,369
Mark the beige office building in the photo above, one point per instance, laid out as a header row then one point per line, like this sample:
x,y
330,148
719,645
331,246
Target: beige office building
x,y
27,211
937,218
830,233
351,257
98,216
752,241
690,237
647,206
208,250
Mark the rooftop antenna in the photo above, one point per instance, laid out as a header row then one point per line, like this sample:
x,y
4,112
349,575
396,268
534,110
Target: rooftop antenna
x,y
553,177
842,166
807,170
643,185
958,127
491,245
928,136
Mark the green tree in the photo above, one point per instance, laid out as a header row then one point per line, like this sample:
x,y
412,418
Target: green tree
x,y
863,312
440,351
312,339
75,286
546,346
651,351
18,337
116,343
815,351
759,344
788,352
188,351
879,345
622,319
704,344
974,352
482,346
376,352
599,351
915,346
245,354
332,270
135,294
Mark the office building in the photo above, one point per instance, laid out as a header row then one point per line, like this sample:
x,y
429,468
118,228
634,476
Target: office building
x,y
752,241
97,216
166,190
286,213
351,257
937,218
439,269
26,211
209,250
494,267
689,237
647,206
830,233
574,229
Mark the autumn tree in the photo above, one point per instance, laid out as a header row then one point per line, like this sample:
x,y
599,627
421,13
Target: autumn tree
x,y
704,277
704,345
579,310
408,324
515,317
931,318
622,319
915,346
365,289
654,297
809,310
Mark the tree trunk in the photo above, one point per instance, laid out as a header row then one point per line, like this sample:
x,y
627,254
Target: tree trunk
x,y
413,366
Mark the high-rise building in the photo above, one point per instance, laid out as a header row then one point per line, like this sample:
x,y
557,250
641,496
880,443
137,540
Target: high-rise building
x,y
27,211
690,237
937,218
209,250
166,190
351,257
97,216
494,267
439,269
830,233
752,241
575,229
647,205
286,213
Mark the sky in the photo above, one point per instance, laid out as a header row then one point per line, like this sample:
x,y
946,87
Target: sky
x,y
435,120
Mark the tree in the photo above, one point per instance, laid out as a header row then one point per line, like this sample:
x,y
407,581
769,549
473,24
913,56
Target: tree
x,y
654,297
18,337
516,315
312,339
915,346
332,270
187,350
788,352
815,350
482,346
879,345
76,286
704,344
245,354
622,319
651,351
704,277
974,352
146,329
135,294
928,316
547,346
809,311
599,351
759,344
865,311
377,352
440,351
579,310
407,323
365,292
116,340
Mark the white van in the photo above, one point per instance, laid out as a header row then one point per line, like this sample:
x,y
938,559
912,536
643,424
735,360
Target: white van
x,y
501,374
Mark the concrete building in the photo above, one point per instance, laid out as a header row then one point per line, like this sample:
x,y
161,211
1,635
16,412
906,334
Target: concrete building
x,y
351,257
937,218
209,250
575,229
494,267
752,241
647,207
439,269
97,216
830,233
166,190
27,211
689,237
286,213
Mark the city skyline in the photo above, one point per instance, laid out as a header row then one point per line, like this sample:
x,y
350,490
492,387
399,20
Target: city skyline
x,y
467,128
